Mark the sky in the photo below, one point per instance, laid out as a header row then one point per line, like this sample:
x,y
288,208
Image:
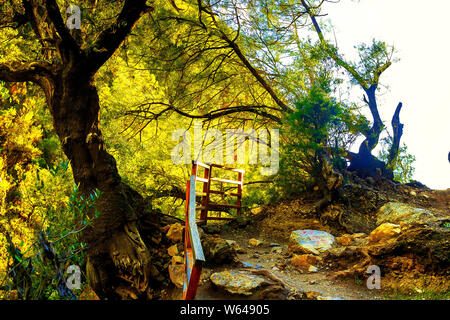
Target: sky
x,y
419,31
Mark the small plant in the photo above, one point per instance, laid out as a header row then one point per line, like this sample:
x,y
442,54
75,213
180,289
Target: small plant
x,y
39,271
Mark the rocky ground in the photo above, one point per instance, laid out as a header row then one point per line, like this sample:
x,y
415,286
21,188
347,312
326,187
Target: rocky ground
x,y
402,229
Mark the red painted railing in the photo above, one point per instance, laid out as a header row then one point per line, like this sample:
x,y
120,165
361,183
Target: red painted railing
x,y
193,257
206,203
193,251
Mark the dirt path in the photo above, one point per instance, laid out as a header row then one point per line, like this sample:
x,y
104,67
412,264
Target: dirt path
x,y
278,263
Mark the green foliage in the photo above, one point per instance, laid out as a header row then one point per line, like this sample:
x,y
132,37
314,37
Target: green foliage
x,y
38,272
372,58
403,165
37,197
319,123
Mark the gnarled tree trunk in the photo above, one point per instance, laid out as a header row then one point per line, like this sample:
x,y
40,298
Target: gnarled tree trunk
x,y
118,260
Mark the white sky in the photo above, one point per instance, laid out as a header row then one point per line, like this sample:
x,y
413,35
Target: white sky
x,y
419,30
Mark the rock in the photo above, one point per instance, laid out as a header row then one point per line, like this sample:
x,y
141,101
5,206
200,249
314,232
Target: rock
x,y
212,228
311,295
275,292
175,233
201,233
252,266
358,221
176,273
242,221
276,250
312,269
257,210
328,298
177,260
384,233
273,244
254,243
236,282
345,240
396,212
351,239
217,250
173,250
305,261
235,246
310,241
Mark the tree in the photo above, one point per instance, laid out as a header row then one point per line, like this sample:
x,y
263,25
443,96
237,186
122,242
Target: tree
x,y
375,59
114,242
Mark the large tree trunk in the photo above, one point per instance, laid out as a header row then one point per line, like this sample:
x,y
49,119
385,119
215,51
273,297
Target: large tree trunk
x,y
118,261
364,163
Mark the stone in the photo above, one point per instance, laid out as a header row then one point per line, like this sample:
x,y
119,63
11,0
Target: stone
x,y
175,233
177,260
235,246
176,274
173,250
345,240
384,233
217,250
396,212
212,228
273,244
328,298
351,239
251,266
304,261
277,250
237,282
311,295
312,269
257,210
254,242
310,241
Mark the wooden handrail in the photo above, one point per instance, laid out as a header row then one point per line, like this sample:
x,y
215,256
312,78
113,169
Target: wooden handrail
x,y
207,180
197,249
193,251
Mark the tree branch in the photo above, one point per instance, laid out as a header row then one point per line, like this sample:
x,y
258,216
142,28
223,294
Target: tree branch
x,y
258,110
67,41
331,51
22,72
397,128
237,50
111,38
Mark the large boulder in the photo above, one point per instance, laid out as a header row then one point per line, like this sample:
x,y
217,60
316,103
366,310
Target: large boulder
x,y
310,241
176,273
175,233
396,212
217,250
384,233
237,282
305,262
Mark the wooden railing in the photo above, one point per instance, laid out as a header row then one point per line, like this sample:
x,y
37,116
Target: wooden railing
x,y
193,251
194,257
206,204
